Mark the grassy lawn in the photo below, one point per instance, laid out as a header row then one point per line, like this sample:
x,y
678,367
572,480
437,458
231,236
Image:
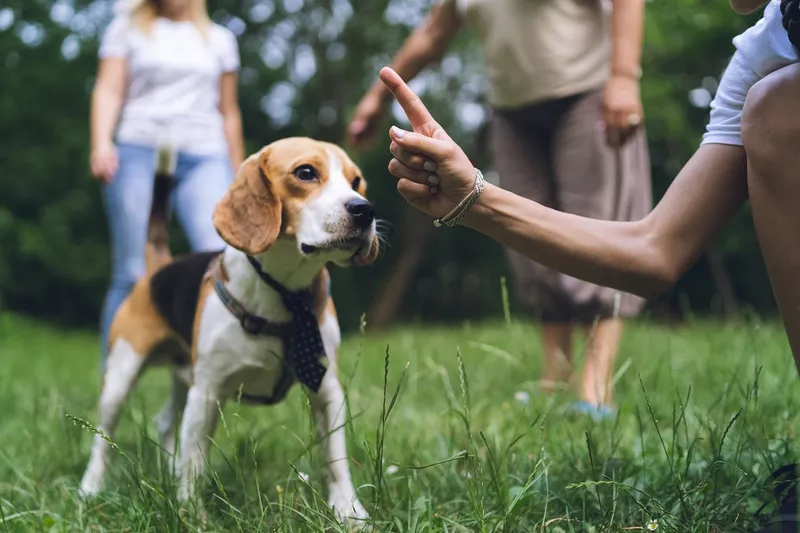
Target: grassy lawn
x,y
706,412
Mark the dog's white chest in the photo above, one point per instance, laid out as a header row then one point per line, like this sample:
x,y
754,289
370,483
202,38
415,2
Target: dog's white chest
x,y
233,359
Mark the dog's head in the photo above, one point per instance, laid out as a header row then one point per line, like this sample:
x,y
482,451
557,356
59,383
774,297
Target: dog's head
x,y
305,190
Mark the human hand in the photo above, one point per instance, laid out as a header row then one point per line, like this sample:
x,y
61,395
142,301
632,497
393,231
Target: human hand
x,y
104,162
369,112
434,172
622,109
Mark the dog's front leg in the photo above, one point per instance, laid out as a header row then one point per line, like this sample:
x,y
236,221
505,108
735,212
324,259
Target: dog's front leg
x,y
329,412
197,428
124,365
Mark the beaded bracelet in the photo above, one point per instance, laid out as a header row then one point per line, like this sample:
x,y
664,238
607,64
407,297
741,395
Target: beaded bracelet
x,y
457,213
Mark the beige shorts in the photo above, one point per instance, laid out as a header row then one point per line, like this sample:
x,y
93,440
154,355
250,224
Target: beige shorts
x,y
555,153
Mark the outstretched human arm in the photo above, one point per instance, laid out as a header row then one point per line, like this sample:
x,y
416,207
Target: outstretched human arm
x,y
643,257
426,44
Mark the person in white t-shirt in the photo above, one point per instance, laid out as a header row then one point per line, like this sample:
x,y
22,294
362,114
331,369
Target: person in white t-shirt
x,y
167,74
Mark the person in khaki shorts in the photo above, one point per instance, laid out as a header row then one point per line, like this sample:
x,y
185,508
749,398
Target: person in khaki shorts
x,y
564,79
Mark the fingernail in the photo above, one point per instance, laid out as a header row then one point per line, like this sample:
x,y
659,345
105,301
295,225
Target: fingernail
x,y
433,179
397,131
434,190
430,166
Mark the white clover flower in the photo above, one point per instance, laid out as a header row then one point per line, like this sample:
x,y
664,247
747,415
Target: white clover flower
x,y
392,469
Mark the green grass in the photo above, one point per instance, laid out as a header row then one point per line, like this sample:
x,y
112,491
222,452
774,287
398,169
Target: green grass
x,y
706,413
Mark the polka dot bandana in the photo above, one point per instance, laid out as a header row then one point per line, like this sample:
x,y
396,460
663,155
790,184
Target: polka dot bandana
x,y
304,347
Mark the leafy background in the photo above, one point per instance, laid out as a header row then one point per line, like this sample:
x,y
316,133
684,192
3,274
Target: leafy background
x,y
305,65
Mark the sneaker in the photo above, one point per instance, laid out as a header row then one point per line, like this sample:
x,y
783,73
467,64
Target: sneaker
x,y
598,412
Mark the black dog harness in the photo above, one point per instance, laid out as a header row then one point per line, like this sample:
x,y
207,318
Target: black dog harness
x,y
302,342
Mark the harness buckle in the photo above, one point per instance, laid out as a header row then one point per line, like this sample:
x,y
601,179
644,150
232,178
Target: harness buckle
x,y
252,324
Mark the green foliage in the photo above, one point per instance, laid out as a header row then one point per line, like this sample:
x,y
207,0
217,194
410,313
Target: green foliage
x,y
446,433
53,235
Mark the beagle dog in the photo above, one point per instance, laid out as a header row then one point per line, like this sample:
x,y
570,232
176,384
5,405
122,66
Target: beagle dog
x,y
249,321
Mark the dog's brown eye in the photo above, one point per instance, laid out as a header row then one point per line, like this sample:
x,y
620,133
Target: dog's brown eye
x,y
305,173
356,183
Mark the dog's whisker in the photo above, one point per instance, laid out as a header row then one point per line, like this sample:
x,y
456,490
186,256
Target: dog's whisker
x,y
384,221
384,242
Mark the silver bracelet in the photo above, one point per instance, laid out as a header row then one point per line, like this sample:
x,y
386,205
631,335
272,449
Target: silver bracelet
x,y
457,213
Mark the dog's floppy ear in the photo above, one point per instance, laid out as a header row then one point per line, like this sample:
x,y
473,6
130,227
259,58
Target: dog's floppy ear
x,y
249,215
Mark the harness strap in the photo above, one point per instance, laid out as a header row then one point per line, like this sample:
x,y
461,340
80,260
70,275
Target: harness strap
x,y
251,323
302,343
254,325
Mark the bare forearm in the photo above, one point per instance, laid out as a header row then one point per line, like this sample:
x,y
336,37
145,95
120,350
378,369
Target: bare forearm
x,y
613,254
627,23
424,46
642,257
105,109
415,54
232,123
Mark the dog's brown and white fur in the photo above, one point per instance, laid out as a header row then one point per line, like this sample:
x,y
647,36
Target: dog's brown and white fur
x,y
290,207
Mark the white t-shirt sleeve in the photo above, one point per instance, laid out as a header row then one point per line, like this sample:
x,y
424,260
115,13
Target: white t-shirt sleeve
x,y
760,50
114,42
766,45
229,50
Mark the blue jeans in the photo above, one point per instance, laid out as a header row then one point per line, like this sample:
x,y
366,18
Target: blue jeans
x,y
200,181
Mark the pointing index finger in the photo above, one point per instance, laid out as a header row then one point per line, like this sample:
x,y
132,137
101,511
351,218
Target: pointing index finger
x,y
418,115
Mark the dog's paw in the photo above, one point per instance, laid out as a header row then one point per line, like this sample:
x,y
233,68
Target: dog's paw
x,y
187,492
348,509
193,516
91,485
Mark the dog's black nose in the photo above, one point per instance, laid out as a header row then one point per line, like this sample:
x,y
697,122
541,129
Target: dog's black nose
x,y
363,212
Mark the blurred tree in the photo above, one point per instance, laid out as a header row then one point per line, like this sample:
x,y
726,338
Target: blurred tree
x,y
305,64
